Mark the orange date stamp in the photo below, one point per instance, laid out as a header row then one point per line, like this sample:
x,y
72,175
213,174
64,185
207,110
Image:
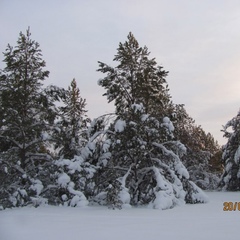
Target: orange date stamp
x,y
231,206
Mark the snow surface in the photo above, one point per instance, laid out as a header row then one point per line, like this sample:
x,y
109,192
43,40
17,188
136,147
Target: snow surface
x,y
188,222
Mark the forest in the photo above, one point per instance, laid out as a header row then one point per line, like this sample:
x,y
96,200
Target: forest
x,y
149,152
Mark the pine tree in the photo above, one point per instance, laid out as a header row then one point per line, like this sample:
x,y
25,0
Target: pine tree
x,y
23,102
25,115
72,123
71,137
230,180
143,164
202,149
137,79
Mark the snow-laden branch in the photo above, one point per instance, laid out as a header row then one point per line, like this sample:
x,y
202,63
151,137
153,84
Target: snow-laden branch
x,y
178,166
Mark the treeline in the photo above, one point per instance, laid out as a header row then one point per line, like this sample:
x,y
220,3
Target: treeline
x,y
150,152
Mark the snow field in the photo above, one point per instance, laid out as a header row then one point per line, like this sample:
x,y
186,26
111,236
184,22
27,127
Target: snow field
x,y
188,222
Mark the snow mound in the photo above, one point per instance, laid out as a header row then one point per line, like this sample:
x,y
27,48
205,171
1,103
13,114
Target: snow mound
x,y
120,125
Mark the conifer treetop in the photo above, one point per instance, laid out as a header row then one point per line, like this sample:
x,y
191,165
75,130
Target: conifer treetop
x,y
136,79
24,61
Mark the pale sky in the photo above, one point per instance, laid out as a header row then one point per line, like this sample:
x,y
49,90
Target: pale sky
x,y
197,41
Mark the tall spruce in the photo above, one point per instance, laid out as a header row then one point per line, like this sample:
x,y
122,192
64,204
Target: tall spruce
x,y
143,163
230,180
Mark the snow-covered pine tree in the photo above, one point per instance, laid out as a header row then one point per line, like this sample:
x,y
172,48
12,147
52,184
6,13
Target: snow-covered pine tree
x,y
144,165
97,153
71,126
25,115
75,173
230,179
202,149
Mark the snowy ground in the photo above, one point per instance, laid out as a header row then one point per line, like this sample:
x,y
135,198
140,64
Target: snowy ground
x,y
193,222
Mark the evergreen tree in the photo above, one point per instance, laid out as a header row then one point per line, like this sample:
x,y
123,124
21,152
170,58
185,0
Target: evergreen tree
x,y
201,152
25,115
24,106
137,79
71,127
71,137
143,164
230,180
